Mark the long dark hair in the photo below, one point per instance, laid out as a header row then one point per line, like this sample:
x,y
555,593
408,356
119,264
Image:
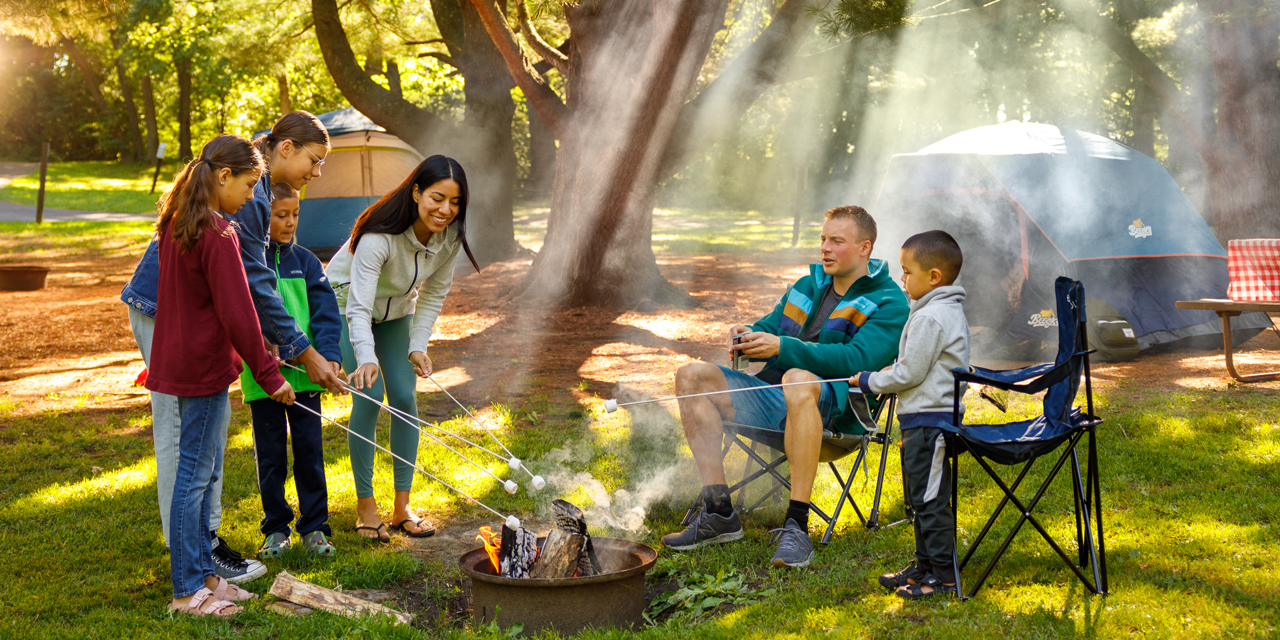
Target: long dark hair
x,y
187,208
299,126
396,211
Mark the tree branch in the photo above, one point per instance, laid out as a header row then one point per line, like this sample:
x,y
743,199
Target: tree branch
x,y
1122,44
737,88
540,96
400,117
548,53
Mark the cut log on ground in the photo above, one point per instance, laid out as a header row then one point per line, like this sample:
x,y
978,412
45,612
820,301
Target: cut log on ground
x,y
301,592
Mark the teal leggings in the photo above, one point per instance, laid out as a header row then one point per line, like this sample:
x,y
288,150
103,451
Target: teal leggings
x,y
391,343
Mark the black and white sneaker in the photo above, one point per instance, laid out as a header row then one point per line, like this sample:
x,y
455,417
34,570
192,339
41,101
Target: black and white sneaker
x,y
232,566
704,528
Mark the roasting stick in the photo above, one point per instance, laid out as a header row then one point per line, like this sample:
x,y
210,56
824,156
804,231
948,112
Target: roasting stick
x,y
508,485
511,521
612,405
514,462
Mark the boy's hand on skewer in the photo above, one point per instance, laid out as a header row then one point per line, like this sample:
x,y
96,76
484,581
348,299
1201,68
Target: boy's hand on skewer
x,y
271,349
318,370
421,363
284,394
337,371
364,377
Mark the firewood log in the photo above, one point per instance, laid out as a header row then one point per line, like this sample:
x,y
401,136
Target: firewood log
x,y
287,587
559,558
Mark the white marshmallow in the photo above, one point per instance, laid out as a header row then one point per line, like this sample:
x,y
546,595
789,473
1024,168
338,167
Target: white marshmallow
x,y
510,486
513,523
514,464
610,405
538,483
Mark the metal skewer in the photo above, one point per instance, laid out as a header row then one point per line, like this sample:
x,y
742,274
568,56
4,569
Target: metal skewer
x,y
514,463
612,405
511,521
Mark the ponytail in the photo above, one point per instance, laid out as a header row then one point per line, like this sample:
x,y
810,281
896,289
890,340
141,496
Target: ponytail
x,y
188,207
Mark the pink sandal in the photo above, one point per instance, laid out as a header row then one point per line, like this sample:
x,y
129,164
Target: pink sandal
x,y
220,593
202,605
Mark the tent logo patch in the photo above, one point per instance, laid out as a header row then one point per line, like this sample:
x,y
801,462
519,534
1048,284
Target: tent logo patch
x,y
1043,320
1139,230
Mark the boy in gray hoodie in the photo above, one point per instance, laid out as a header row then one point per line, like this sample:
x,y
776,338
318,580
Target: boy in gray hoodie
x,y
935,341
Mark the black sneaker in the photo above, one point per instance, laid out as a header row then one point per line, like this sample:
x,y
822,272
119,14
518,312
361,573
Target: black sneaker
x,y
704,528
232,566
912,574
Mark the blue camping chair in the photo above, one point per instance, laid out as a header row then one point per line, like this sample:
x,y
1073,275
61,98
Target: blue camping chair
x,y
1026,441
747,438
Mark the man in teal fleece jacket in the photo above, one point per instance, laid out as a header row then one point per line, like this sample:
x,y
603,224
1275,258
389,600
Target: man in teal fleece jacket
x,y
846,316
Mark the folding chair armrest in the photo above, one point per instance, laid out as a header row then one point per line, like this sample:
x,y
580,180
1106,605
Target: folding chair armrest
x,y
1040,376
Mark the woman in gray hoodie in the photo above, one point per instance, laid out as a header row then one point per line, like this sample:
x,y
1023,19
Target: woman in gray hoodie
x,y
391,277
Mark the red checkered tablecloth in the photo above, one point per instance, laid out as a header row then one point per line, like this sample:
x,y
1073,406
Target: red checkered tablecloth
x,y
1255,269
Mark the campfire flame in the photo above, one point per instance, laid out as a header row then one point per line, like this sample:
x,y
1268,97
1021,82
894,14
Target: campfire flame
x,y
491,546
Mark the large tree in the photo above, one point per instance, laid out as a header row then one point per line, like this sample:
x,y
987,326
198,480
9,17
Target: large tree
x,y
629,118
482,141
1241,145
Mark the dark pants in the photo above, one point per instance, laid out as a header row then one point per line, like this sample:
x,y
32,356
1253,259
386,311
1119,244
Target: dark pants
x,y
273,424
927,477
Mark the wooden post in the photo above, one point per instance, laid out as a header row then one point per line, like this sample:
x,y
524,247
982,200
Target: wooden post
x,y
44,172
159,161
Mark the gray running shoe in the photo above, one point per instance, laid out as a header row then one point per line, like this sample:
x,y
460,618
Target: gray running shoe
x,y
795,548
232,566
704,528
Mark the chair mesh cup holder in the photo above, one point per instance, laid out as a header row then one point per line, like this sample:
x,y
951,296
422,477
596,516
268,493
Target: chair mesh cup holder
x,y
1025,442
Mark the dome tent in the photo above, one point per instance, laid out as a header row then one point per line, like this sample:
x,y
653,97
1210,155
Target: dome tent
x,y
1030,202
364,163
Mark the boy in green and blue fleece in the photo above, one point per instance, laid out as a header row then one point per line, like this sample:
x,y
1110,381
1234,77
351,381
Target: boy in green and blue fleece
x,y
307,297
844,317
935,341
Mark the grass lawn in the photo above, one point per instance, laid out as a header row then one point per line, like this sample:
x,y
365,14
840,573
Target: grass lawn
x,y
92,186
1188,486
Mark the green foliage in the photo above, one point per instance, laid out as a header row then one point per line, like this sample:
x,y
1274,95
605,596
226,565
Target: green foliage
x,y
700,594
853,18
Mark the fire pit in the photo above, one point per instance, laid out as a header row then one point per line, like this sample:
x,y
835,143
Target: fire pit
x,y
22,278
567,605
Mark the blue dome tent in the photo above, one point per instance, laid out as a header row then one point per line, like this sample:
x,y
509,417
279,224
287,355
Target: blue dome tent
x,y
364,163
1030,202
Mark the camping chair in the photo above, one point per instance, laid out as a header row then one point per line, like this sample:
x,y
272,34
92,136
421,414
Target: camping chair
x,y
739,435
1026,441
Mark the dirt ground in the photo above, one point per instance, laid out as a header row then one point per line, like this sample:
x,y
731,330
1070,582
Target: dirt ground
x,y
71,343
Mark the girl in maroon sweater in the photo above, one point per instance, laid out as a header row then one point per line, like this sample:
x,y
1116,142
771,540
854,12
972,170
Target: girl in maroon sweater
x,y
204,318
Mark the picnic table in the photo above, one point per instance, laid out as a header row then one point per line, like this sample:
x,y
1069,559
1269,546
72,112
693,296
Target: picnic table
x,y
1227,309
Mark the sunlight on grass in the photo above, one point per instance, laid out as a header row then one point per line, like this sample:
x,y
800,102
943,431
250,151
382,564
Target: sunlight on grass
x,y
66,238
100,487
92,186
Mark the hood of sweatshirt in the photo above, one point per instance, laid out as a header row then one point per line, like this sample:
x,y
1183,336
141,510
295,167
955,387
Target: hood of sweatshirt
x,y
877,275
941,295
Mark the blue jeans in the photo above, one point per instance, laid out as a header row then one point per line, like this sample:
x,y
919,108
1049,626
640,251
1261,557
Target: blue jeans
x,y
165,431
767,408
200,449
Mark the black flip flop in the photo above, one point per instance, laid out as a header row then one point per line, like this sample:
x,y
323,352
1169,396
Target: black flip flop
x,y
421,533
379,528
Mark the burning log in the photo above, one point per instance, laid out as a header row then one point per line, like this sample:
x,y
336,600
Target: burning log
x,y
560,554
518,552
570,519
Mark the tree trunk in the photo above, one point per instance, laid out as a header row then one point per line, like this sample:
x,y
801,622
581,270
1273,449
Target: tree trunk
x,y
1143,112
488,152
542,155
1244,168
92,85
286,105
393,79
631,68
183,67
482,143
149,115
130,111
